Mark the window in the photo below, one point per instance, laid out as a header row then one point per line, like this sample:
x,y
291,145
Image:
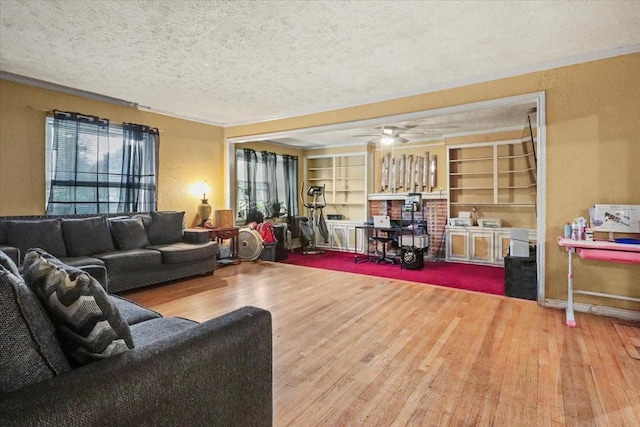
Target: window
x,y
266,183
93,166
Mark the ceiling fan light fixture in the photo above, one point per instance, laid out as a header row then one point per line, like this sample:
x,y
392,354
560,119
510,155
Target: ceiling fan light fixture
x,y
387,140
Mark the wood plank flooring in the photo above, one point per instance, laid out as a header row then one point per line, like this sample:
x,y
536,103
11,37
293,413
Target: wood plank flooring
x,y
352,350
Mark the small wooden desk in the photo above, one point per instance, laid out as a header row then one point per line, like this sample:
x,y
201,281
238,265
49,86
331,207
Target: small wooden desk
x,y
598,250
220,234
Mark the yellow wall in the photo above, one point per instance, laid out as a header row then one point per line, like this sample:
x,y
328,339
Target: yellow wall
x,y
593,151
189,152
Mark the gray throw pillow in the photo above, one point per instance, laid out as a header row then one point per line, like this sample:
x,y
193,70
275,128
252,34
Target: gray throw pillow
x,y
87,236
29,350
166,227
88,324
129,233
42,233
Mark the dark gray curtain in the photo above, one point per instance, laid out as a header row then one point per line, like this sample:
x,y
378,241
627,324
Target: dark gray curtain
x,y
272,199
137,186
78,176
92,171
291,187
250,192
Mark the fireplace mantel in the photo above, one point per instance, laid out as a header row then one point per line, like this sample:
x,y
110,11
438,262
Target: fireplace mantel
x,y
437,195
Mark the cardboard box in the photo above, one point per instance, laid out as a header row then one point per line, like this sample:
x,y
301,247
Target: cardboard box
x,y
223,218
519,244
419,241
615,218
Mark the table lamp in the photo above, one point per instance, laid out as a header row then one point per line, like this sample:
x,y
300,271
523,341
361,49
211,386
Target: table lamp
x,y
204,208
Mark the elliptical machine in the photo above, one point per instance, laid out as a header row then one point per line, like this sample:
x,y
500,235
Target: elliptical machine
x,y
314,221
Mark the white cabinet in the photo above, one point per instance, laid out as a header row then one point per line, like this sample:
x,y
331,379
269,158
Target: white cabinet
x,y
342,236
479,245
457,244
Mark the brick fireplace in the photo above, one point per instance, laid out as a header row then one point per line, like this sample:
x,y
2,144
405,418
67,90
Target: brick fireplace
x,y
435,213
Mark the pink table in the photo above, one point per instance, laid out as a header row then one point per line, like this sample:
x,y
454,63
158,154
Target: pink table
x,y
597,250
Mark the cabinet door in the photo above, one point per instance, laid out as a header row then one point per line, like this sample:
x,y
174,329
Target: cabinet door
x,y
457,245
481,243
339,238
356,235
502,242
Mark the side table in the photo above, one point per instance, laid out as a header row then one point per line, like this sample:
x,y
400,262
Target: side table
x,y
220,234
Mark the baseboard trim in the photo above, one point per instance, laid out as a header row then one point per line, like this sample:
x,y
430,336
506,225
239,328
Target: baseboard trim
x,y
598,310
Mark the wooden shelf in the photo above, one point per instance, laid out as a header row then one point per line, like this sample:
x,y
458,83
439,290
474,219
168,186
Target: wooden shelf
x,y
345,179
475,159
516,205
492,174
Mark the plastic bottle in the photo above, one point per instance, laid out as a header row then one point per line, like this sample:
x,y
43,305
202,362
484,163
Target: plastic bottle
x,y
575,230
567,231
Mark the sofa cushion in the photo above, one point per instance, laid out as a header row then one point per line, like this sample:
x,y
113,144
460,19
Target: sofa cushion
x,y
133,259
155,329
29,350
146,220
4,231
43,233
87,236
11,252
132,312
165,227
129,233
185,252
89,326
9,264
81,261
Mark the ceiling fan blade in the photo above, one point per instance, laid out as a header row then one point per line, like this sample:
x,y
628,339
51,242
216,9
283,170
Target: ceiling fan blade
x,y
412,133
367,134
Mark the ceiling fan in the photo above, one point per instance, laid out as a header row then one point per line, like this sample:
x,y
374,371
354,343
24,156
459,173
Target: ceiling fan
x,y
391,134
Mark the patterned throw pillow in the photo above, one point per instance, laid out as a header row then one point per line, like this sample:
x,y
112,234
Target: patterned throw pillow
x,y
88,325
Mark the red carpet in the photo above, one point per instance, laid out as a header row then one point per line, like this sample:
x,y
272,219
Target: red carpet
x,y
478,278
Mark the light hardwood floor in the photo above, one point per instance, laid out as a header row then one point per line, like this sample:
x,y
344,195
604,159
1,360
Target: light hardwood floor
x,y
352,350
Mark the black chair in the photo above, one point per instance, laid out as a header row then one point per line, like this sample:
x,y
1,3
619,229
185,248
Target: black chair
x,y
383,240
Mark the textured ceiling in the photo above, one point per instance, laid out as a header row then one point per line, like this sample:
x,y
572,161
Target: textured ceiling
x,y
233,62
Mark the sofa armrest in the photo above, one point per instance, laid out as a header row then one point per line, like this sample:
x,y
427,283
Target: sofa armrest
x,y
217,373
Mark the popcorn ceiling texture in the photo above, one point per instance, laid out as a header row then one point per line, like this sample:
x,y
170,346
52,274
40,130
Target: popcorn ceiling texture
x,y
231,62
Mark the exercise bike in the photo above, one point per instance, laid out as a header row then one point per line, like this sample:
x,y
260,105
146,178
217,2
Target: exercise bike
x,y
314,221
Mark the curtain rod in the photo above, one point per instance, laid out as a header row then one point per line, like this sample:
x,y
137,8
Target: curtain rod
x,y
49,112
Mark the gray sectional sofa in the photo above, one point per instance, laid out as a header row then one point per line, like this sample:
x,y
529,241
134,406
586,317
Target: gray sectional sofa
x,y
114,363
123,252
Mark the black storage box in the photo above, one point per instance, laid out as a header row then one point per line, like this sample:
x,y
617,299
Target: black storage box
x,y
521,277
268,252
280,231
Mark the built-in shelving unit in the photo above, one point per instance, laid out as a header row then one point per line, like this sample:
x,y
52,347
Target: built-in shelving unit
x,y
495,178
345,178
492,174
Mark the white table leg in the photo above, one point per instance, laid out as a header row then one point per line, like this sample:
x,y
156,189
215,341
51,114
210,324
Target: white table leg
x,y
571,320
